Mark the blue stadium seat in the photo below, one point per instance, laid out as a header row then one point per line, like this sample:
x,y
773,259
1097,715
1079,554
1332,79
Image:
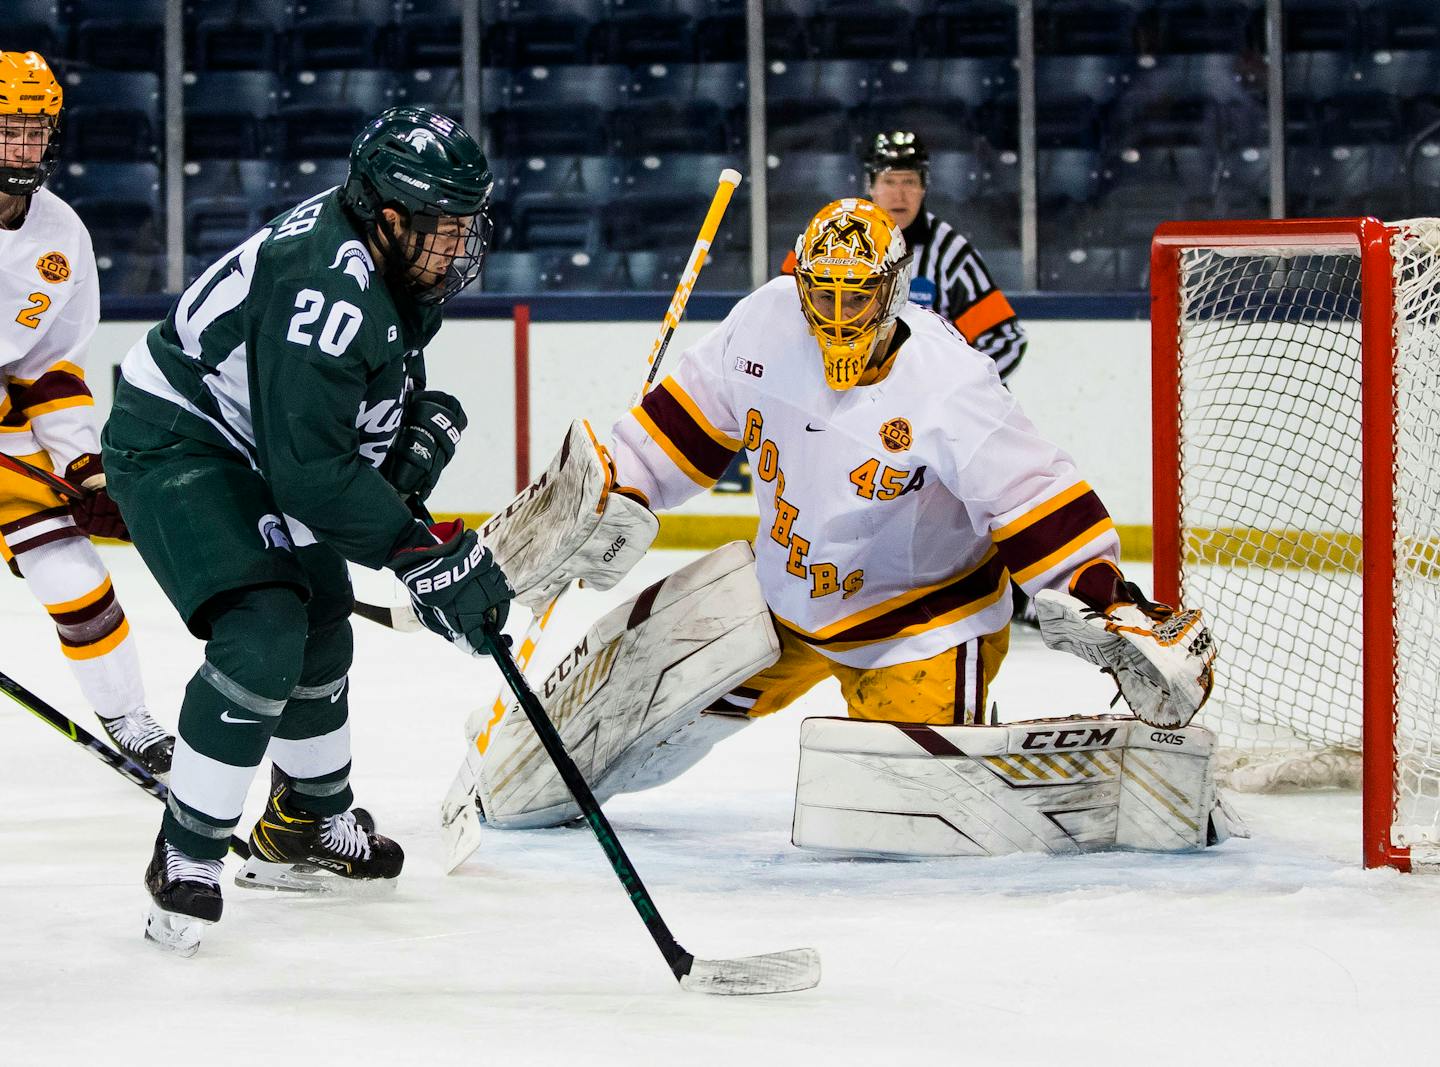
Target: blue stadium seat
x,y
321,111
725,270
234,34
1067,176
1321,25
338,34
118,34
1403,74
1363,118
1355,179
720,32
1316,75
428,33
662,199
584,272
35,26
229,114
808,103
1423,188
1130,213
1084,27
1168,27
970,28
112,115
647,31
120,203
1100,79
223,201
863,29
511,272
553,110
786,30
299,181
1402,25
798,184
680,108
959,177
1076,267
1242,180
439,88
529,32
934,97
556,203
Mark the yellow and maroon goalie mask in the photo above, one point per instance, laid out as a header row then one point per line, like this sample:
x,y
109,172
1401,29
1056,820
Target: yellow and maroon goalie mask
x,y
853,273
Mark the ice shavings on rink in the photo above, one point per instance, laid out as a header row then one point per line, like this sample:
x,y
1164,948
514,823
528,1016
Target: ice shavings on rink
x,y
1279,949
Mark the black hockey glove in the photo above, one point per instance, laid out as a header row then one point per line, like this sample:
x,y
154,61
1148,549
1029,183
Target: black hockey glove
x,y
456,585
95,513
424,443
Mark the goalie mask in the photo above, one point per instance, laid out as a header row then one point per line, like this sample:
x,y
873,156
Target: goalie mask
x,y
30,102
428,169
853,273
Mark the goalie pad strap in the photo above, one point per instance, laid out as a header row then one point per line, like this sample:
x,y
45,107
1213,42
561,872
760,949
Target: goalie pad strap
x,y
1050,785
628,699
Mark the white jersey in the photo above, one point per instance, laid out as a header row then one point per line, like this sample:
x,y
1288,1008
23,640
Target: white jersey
x,y
49,307
892,515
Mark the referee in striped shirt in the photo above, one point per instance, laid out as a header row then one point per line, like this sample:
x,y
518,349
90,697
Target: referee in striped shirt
x,y
949,275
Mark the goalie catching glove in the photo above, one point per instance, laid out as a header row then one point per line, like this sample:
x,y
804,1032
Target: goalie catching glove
x,y
570,523
1160,658
455,585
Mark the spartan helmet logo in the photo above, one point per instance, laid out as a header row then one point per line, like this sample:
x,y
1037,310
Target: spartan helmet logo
x,y
354,259
843,237
420,139
273,532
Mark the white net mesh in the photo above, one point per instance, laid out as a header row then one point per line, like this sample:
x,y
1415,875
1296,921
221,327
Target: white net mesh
x,y
1270,476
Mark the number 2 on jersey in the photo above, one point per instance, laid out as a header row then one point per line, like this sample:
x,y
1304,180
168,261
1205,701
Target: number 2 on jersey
x,y
340,328
31,312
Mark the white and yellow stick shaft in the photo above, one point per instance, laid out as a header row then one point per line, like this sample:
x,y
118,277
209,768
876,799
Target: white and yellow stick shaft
x,y
729,180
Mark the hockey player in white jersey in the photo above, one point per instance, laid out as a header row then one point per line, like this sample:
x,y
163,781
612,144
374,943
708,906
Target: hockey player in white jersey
x,y
49,307
900,488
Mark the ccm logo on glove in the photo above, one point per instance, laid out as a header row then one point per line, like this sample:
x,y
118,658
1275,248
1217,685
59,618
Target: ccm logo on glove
x,y
454,575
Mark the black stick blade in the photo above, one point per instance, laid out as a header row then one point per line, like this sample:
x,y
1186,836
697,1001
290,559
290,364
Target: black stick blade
x,y
774,972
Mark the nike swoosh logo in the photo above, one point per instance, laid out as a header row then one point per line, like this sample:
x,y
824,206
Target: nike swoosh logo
x,y
814,429
335,696
225,716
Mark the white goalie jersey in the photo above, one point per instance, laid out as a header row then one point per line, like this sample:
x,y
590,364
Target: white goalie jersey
x,y
49,307
892,515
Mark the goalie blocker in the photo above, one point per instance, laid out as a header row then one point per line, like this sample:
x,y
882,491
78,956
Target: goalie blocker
x,y
1048,785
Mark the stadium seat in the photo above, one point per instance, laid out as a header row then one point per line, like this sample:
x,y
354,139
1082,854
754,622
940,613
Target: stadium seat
x,y
554,110
1423,186
530,32
557,203
663,199
1403,25
511,272
933,97
1243,180
112,115
680,108
720,32
321,111
230,114
439,88
808,103
1189,168
338,34
1317,75
1402,74
300,181
1084,27
1321,25
725,271
1005,266
118,34
646,31
584,272
1067,176
863,29
1354,179
787,36
798,184
35,26
119,202
223,201
1169,27
234,34
969,28
428,33
1362,118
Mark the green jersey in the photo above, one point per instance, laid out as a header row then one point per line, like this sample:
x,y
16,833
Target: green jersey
x,y
291,351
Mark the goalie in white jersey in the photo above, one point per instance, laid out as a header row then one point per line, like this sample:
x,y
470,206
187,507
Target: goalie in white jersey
x,y
49,307
900,488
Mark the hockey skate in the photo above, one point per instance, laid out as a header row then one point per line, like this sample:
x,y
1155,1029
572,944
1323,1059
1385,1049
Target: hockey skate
x,y
294,851
185,898
143,739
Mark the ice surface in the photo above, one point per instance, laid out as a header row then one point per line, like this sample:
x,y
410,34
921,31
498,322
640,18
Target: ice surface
x,y
1275,950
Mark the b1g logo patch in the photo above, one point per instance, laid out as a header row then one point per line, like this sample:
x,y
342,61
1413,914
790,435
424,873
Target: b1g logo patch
x,y
895,435
53,267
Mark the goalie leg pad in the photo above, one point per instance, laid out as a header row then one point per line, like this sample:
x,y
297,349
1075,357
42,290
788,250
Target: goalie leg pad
x,y
628,700
1052,785
567,525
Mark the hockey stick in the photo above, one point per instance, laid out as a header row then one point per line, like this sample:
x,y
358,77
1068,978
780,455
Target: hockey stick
x,y
117,761
459,816
774,972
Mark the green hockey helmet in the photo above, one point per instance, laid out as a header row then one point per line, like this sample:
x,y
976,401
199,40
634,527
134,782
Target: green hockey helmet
x,y
428,169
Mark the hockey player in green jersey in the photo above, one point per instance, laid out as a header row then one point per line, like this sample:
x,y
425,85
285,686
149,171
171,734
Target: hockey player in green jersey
x,y
275,425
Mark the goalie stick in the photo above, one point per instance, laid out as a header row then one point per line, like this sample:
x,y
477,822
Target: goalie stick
x,y
117,761
774,972
459,812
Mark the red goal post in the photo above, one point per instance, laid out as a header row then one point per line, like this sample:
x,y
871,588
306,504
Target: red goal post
x,y
1276,344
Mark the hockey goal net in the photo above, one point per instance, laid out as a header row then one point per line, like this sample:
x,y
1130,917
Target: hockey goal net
x,y
1296,387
